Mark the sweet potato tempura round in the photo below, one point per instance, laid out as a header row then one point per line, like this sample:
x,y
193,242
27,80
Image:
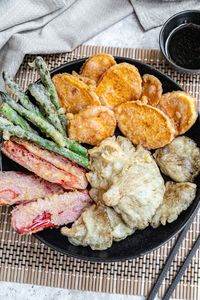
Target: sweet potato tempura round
x,y
144,124
74,95
92,125
180,108
96,65
120,83
151,89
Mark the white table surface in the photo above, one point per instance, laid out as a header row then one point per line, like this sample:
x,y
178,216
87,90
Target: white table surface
x,y
126,33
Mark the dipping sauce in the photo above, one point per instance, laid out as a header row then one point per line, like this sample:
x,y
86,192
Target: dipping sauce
x,y
183,46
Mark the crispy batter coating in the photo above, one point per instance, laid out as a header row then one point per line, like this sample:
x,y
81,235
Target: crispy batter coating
x,y
120,83
97,227
180,108
144,124
86,80
177,197
137,191
179,160
151,89
96,65
91,125
74,95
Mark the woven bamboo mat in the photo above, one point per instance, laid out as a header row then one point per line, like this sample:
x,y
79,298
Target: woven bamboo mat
x,y
24,259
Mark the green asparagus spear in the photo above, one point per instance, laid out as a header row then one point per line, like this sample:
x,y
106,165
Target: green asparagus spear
x,y
34,118
44,126
14,117
14,88
12,130
46,80
41,95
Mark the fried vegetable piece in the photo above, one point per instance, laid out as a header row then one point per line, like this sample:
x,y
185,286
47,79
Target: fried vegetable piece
x,y
151,89
137,191
91,229
180,108
74,95
179,160
144,124
120,83
177,197
97,227
91,125
86,80
96,65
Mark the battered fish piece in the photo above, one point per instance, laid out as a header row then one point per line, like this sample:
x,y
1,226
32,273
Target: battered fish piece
x,y
137,191
74,95
144,125
97,227
96,65
180,108
91,125
107,160
179,160
178,197
151,89
120,83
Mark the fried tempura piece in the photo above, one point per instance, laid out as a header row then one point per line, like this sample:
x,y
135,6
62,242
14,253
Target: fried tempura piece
x,y
177,197
86,80
179,160
96,65
137,191
74,95
120,83
151,89
180,108
91,229
144,124
91,125
97,227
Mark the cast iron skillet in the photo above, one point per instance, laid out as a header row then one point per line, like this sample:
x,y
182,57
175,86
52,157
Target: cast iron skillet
x,y
142,241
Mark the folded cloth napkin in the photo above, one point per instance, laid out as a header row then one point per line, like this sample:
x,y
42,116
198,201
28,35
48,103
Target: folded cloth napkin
x,y
52,26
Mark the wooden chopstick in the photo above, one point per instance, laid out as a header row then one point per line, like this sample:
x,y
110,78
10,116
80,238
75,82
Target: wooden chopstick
x,y
181,271
171,257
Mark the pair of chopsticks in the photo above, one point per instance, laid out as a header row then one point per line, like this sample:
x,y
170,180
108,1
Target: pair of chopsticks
x,y
170,259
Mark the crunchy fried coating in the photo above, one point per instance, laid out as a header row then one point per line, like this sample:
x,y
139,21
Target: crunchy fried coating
x,y
180,160
96,65
151,89
97,227
137,191
177,197
144,125
180,108
86,80
120,83
91,229
91,125
74,95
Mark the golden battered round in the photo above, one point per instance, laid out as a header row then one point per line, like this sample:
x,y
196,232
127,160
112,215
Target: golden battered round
x,y
144,124
92,125
180,108
96,65
151,89
120,83
74,95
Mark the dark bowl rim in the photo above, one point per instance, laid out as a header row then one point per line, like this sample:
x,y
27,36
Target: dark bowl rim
x,y
128,257
162,46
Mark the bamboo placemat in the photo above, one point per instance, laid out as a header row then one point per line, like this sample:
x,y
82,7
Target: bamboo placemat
x,y
24,259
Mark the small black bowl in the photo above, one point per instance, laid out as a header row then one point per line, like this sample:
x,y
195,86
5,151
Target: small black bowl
x,y
181,19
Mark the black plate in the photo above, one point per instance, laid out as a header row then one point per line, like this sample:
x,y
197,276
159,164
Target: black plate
x,y
142,241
